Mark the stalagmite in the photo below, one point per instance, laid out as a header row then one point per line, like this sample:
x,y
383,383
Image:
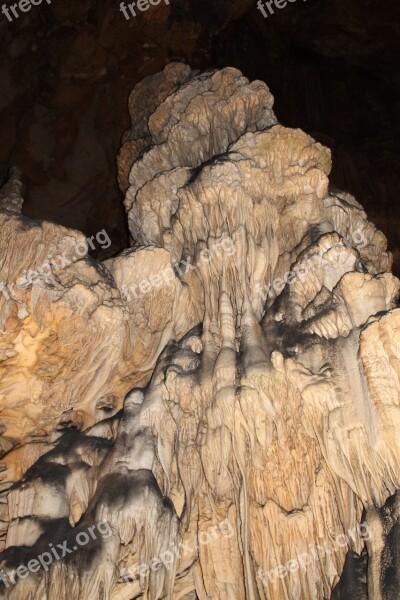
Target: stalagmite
x,y
214,412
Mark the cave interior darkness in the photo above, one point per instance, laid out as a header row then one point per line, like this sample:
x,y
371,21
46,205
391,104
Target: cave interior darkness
x,y
67,70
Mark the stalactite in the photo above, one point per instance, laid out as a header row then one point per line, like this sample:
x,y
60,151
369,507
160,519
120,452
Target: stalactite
x,y
222,397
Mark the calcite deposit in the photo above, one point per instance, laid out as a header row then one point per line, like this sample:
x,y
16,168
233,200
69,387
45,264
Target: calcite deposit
x,y
214,412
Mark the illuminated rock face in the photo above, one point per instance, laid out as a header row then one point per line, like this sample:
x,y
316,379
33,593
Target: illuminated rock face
x,y
218,405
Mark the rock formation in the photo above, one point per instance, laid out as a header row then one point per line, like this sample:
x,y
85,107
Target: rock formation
x,y
212,413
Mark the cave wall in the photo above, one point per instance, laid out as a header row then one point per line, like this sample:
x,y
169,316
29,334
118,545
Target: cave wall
x,y
67,70
229,384
68,127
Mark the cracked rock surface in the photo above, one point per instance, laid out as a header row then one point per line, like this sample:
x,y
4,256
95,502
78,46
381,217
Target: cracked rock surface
x,y
225,393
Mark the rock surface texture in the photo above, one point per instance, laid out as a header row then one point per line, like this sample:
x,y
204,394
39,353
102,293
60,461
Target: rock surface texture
x,y
214,412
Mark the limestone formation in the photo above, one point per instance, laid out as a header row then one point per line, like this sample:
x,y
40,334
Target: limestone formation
x,y
213,413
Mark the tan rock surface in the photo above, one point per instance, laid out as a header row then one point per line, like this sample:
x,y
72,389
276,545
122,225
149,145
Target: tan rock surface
x,y
230,383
